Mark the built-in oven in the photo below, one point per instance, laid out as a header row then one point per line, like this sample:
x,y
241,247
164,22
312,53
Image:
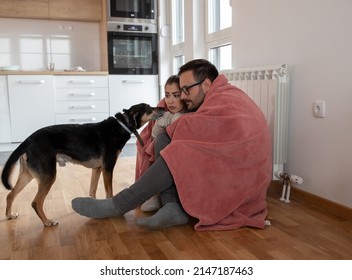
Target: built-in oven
x,y
132,10
132,49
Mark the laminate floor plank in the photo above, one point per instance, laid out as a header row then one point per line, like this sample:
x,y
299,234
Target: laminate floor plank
x,y
297,231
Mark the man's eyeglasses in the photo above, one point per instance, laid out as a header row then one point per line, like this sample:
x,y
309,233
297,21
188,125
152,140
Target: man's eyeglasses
x,y
185,89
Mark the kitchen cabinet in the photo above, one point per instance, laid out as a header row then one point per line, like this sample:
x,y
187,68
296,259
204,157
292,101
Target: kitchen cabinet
x,y
31,100
24,9
82,10
128,90
87,10
81,99
5,124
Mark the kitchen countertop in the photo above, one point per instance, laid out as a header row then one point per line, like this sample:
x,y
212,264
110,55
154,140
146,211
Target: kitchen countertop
x,y
62,73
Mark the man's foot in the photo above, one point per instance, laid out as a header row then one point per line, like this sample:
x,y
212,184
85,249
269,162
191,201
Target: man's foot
x,y
151,204
94,208
171,214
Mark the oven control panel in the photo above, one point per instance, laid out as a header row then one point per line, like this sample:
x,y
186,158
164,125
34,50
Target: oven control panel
x,y
124,27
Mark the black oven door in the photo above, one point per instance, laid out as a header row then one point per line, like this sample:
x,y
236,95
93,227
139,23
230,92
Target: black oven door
x,y
132,53
142,9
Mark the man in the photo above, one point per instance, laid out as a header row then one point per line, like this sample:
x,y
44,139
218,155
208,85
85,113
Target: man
x,y
214,164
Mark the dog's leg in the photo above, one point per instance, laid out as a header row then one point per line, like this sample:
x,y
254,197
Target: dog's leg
x,y
38,202
107,176
24,178
94,179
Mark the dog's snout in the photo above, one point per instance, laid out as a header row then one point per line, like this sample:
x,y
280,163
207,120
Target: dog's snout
x,y
157,112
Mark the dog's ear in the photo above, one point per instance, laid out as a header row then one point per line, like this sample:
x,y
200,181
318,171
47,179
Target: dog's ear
x,y
124,110
135,118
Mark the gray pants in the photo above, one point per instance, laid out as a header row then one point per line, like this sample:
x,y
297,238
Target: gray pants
x,y
156,180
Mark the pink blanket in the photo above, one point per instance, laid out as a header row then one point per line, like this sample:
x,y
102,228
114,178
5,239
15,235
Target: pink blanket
x,y
220,158
145,154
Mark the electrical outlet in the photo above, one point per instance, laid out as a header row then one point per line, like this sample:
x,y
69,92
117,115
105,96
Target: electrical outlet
x,y
319,109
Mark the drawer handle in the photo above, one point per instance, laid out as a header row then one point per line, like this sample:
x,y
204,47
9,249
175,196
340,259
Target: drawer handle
x,y
31,82
80,82
82,94
83,119
133,81
82,106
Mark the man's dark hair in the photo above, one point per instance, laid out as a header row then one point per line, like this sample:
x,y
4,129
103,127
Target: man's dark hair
x,y
201,69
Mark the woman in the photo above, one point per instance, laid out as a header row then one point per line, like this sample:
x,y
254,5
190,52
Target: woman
x,y
174,108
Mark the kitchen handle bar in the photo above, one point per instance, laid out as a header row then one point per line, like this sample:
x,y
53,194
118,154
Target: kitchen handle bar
x,y
82,94
133,81
32,82
81,82
83,119
82,106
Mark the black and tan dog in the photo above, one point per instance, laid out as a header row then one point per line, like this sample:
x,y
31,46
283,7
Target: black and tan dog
x,y
95,145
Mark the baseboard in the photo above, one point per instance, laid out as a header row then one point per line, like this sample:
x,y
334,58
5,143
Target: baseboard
x,y
314,201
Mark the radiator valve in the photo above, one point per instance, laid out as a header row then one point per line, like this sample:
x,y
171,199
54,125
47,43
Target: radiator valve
x,y
286,184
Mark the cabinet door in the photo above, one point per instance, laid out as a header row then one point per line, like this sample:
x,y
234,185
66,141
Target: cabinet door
x,y
31,104
128,90
89,10
5,126
24,9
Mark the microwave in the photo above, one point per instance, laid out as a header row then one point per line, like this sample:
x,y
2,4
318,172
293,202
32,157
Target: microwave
x,y
132,11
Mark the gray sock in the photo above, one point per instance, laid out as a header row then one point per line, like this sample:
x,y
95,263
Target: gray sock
x,y
171,214
94,208
152,204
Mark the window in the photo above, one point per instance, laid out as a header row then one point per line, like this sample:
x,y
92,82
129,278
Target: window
x,y
179,60
177,21
178,37
219,15
200,29
221,57
218,35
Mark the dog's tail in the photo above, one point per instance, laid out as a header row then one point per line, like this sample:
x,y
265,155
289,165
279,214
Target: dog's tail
x,y
10,164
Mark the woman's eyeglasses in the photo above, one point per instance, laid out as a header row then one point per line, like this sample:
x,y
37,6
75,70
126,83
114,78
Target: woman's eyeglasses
x,y
185,89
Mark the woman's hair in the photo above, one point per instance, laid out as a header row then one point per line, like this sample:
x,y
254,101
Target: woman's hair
x,y
174,79
201,69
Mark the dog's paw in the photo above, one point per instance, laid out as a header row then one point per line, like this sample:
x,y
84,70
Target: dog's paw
x,y
51,223
12,216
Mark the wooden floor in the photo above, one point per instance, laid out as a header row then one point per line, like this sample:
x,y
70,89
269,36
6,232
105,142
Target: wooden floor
x,y
298,231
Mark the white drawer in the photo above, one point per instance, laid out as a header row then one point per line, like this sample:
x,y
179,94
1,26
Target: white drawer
x,y
80,81
80,118
82,94
41,82
95,106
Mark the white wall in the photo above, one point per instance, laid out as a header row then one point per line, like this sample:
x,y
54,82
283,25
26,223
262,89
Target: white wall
x,y
314,38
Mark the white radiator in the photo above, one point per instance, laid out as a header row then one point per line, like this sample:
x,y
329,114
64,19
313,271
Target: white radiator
x,y
268,87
